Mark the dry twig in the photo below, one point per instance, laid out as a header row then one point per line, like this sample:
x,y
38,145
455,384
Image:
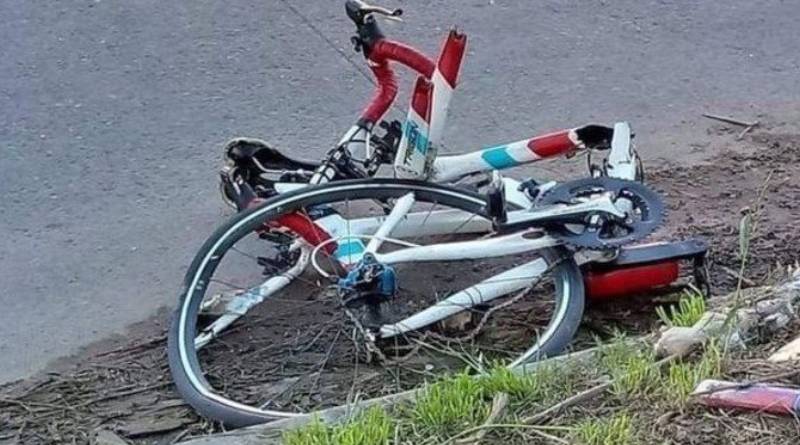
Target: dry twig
x,y
499,404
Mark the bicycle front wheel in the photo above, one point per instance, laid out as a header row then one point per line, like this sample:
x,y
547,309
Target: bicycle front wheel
x,y
271,321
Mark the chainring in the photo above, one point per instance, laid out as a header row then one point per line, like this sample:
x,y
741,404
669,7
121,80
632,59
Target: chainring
x,y
604,231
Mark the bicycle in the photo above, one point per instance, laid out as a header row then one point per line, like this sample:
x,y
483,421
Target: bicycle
x,y
334,237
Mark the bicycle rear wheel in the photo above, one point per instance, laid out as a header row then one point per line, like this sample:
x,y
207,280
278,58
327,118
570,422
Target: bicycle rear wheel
x,y
294,344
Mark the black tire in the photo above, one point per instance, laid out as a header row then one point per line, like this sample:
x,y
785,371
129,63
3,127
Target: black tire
x,y
183,359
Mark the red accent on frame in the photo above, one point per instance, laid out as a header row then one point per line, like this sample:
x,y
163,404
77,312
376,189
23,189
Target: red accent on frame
x,y
381,53
422,98
303,226
307,229
552,144
451,56
614,283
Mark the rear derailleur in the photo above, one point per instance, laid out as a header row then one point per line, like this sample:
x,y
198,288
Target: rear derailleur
x,y
365,288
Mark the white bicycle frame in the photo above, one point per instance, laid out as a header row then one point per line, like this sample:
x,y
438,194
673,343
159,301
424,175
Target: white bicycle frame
x,y
401,223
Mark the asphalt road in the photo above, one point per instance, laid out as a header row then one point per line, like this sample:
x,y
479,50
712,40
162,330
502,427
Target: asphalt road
x,y
113,114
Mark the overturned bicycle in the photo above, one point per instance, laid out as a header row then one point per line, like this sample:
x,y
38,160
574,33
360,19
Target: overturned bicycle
x,y
334,260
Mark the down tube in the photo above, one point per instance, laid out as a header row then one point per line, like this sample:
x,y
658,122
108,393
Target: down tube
x,y
509,281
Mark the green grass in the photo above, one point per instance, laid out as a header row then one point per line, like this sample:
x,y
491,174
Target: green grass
x,y
690,309
631,367
681,377
372,427
456,404
615,430
546,384
448,406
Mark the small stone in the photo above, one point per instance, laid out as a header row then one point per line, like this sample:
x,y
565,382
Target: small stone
x,y
457,322
776,321
679,341
711,324
789,351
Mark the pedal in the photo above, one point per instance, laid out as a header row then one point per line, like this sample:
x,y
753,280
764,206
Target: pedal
x,y
496,200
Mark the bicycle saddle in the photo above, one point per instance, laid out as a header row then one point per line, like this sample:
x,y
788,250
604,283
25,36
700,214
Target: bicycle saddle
x,y
257,153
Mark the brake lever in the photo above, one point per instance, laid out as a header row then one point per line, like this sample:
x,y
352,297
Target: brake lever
x,y
391,14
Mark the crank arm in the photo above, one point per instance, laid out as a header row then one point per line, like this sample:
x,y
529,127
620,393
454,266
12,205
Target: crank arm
x,y
564,213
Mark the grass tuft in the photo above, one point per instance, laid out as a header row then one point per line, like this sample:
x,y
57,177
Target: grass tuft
x,y
615,430
313,433
372,427
450,405
681,378
632,368
545,384
688,312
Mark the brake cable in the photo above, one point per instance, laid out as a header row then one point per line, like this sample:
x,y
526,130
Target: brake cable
x,y
361,70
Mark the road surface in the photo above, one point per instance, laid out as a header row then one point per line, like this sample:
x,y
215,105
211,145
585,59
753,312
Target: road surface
x,y
113,114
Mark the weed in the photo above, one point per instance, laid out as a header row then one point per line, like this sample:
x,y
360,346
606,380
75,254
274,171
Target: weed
x,y
632,368
544,384
615,430
688,312
449,405
681,378
372,427
314,433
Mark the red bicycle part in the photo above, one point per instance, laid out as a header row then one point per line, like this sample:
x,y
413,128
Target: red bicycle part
x,y
628,280
552,144
449,63
381,54
303,226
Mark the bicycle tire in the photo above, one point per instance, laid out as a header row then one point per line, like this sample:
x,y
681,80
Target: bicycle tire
x,y
183,359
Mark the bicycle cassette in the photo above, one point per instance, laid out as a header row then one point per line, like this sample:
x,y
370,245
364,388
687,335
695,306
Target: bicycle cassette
x,y
644,210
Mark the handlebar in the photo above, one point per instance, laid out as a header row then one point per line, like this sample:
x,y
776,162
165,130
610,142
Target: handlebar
x,y
383,52
380,51
358,11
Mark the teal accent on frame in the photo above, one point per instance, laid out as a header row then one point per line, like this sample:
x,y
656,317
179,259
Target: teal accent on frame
x,y
348,249
416,138
498,158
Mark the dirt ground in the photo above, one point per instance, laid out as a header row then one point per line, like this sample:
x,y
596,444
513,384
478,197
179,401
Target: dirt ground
x,y
124,385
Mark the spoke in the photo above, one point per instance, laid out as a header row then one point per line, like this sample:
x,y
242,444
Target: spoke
x,y
347,218
245,254
226,284
427,215
455,232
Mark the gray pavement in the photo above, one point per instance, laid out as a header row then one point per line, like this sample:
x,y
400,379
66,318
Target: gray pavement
x,y
112,115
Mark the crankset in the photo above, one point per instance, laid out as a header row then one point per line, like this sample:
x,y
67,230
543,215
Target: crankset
x,y
644,213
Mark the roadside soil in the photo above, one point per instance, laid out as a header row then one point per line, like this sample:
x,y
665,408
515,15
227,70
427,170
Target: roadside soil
x,y
123,385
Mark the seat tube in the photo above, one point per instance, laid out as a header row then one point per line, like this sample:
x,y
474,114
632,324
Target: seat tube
x,y
427,114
